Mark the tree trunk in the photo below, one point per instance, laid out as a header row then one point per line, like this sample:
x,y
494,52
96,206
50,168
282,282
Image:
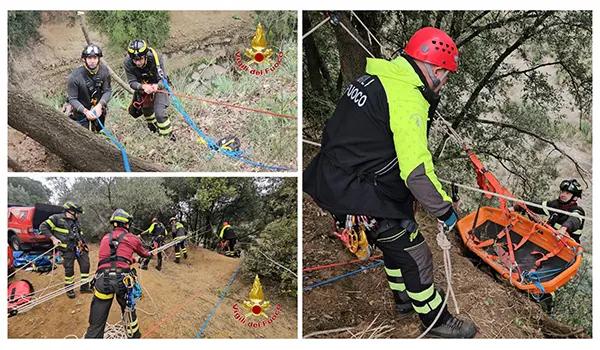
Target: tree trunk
x,y
14,165
65,138
353,58
311,54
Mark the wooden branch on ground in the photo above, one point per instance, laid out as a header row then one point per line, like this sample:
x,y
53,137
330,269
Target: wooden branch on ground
x,y
337,330
114,75
67,139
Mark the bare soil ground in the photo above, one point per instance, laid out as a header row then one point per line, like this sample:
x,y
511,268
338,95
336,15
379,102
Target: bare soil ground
x,y
498,310
205,274
194,35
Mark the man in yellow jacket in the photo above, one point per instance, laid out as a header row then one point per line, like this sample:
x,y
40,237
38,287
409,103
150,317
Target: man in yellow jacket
x,y
374,163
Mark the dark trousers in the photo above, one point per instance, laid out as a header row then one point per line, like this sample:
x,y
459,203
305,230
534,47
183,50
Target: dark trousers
x,y
409,269
105,289
152,107
181,247
230,247
83,260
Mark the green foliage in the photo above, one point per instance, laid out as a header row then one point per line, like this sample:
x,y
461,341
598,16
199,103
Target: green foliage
x,y
23,27
573,301
277,25
278,241
25,191
123,26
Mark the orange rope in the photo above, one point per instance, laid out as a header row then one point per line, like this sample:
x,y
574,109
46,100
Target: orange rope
x,y
229,105
181,307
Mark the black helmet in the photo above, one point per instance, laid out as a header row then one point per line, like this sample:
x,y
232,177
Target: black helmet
x,y
73,206
91,51
137,49
571,186
121,216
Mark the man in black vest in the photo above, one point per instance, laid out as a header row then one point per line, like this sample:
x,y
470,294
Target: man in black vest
x,y
374,162
570,192
158,231
89,90
65,232
144,73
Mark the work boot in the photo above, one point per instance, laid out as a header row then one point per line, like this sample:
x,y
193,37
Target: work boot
x,y
158,267
454,328
185,255
177,261
71,294
85,289
153,127
403,310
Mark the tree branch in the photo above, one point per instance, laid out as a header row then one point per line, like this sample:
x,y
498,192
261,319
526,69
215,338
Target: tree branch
x,y
515,72
494,25
104,63
528,33
499,158
580,170
478,17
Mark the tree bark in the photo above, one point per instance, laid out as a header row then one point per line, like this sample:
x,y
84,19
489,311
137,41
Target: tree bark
x,y
112,73
65,138
353,58
14,165
311,54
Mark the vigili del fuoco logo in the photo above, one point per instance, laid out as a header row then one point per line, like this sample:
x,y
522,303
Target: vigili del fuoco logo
x,y
253,313
259,56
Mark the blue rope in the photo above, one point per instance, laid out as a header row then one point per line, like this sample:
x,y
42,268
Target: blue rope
x,y
210,143
218,303
340,277
125,159
537,276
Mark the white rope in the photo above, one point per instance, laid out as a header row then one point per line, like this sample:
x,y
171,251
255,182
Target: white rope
x,y
367,29
278,264
443,242
315,28
356,39
168,245
513,199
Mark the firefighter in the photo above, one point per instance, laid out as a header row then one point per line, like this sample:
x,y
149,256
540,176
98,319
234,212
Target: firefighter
x,y
228,239
144,73
89,90
65,232
570,192
374,162
157,229
178,231
115,258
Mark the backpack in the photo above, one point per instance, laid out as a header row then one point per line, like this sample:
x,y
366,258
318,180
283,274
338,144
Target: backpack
x,y
19,293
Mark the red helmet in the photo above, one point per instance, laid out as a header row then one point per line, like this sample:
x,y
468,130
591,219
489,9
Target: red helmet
x,y
154,219
225,223
433,46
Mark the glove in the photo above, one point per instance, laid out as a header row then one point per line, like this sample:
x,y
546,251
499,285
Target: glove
x,y
449,220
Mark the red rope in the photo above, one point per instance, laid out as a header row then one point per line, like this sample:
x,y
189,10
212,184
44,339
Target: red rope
x,y
230,105
180,307
309,269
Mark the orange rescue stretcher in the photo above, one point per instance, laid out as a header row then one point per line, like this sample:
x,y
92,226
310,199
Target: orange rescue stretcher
x,y
531,255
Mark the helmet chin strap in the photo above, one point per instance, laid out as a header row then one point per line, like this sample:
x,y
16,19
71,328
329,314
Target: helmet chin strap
x,y
436,82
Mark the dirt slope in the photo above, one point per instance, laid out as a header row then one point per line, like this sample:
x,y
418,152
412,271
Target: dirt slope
x,y
193,35
205,274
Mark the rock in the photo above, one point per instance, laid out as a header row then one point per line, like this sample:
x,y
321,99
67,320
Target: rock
x,y
201,67
196,76
212,71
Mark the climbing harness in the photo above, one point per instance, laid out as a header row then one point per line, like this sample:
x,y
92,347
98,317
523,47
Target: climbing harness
x,y
357,234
